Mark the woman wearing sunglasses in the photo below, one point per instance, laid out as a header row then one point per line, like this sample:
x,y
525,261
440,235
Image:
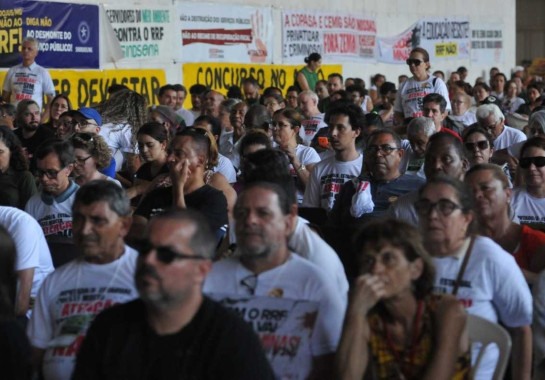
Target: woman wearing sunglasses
x,y
479,147
407,105
92,154
492,193
528,201
479,272
394,327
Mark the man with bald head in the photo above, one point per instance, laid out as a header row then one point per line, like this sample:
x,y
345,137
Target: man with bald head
x,y
212,103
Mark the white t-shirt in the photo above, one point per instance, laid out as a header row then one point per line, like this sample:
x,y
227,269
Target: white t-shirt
x,y
409,99
508,137
326,180
225,167
466,119
229,149
492,287
309,127
119,140
528,208
32,82
32,249
306,155
512,105
311,246
296,279
53,213
188,116
69,300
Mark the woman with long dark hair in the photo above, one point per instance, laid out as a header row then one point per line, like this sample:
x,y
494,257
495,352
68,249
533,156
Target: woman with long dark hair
x,y
17,184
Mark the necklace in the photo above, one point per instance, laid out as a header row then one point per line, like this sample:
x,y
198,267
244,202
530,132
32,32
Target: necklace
x,y
414,338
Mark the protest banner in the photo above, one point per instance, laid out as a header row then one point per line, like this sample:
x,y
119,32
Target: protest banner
x,y
224,33
143,32
221,76
68,33
487,44
284,327
337,36
90,87
11,32
443,39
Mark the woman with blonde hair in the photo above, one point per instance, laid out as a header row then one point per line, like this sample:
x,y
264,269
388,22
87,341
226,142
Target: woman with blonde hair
x,y
92,154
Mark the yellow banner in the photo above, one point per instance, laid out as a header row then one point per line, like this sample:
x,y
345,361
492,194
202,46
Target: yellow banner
x,y
221,76
449,49
90,87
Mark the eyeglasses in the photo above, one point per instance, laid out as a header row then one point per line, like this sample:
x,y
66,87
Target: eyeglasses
x,y
481,145
445,207
525,162
413,61
385,149
83,160
164,254
50,173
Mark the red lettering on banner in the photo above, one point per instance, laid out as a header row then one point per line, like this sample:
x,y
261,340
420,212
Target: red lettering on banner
x,y
305,20
342,43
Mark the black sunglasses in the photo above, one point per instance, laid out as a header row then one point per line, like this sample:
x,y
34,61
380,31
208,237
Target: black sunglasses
x,y
164,254
413,61
525,162
482,145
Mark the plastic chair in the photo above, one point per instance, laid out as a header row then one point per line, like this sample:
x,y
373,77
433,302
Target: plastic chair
x,y
485,332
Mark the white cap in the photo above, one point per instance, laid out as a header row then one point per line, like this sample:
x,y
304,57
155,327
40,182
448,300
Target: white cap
x,y
519,68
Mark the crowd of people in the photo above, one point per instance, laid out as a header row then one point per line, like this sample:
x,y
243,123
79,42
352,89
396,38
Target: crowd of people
x,y
390,212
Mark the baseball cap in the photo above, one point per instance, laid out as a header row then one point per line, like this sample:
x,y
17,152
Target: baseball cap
x,y
91,113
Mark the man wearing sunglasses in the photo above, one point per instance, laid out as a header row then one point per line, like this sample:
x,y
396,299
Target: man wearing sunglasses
x,y
172,331
267,268
52,206
75,293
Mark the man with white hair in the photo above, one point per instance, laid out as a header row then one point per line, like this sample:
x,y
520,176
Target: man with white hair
x,y
314,119
419,131
490,117
28,80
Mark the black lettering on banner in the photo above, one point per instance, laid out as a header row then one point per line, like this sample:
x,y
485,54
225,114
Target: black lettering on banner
x,y
95,90
225,77
62,86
